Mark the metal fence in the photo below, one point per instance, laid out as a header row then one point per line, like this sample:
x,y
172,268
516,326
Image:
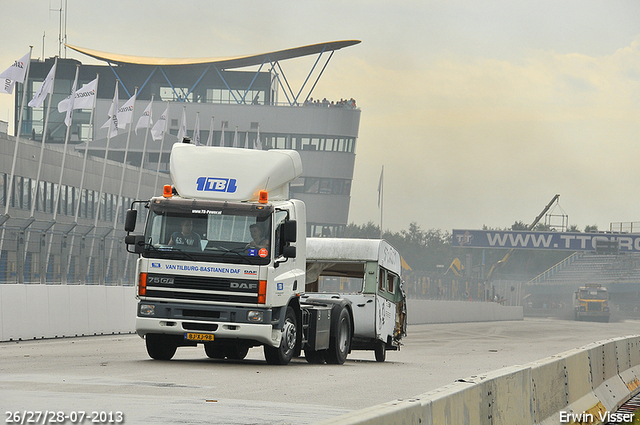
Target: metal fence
x,y
44,252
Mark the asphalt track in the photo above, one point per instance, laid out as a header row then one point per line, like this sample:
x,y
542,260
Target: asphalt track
x,y
113,373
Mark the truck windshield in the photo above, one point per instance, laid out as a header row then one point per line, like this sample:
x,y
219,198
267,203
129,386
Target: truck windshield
x,y
211,232
593,294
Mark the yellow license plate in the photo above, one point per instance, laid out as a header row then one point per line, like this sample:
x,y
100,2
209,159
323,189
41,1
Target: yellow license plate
x,y
198,337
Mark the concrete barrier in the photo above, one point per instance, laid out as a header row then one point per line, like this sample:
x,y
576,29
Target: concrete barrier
x,y
52,311
577,386
421,312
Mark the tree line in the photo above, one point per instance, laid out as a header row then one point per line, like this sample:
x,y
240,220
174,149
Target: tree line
x,y
432,251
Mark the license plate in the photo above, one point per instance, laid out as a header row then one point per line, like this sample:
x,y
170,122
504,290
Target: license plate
x,y
198,337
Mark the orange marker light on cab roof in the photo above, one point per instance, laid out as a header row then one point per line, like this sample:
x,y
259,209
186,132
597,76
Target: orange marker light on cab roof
x,y
167,191
263,198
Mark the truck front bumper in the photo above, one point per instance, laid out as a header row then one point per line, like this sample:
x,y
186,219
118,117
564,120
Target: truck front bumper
x,y
222,322
263,334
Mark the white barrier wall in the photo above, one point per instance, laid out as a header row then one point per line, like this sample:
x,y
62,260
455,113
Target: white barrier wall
x,y
51,311
577,386
421,312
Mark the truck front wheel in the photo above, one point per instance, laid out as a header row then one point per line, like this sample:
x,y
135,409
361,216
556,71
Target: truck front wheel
x,y
161,347
282,355
340,339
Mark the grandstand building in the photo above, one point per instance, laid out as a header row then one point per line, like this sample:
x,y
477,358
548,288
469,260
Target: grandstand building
x,y
245,101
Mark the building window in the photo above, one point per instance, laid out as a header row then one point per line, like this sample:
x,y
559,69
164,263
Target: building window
x,y
316,185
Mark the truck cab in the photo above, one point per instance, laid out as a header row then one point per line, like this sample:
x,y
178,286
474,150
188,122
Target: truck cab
x,y
222,261
591,302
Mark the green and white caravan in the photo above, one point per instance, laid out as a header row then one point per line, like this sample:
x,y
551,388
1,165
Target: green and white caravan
x,y
367,272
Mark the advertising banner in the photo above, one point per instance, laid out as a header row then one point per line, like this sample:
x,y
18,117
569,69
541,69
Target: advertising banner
x,y
544,240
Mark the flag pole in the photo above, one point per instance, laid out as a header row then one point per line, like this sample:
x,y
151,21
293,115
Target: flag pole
x,y
15,149
113,120
196,130
144,150
84,160
210,138
68,121
155,186
84,167
44,137
66,143
381,198
124,167
106,152
40,160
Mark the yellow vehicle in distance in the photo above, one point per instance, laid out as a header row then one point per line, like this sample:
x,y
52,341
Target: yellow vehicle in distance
x,y
591,302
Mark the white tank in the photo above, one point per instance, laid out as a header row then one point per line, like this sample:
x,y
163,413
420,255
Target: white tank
x,y
232,174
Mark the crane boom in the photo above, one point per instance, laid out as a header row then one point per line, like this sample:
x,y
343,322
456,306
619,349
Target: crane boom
x,y
530,227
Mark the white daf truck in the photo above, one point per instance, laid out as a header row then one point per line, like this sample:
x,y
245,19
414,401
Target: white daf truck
x,y
367,272
222,262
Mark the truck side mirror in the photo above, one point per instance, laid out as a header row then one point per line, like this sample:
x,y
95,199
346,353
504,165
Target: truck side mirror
x,y
289,251
130,220
137,241
290,231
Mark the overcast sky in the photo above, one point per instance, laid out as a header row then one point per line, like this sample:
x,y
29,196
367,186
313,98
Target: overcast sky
x,y
480,112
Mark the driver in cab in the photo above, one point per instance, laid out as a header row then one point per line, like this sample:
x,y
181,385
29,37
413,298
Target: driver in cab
x,y
186,237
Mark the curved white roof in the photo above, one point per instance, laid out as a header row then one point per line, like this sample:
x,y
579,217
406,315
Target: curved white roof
x,y
224,63
348,249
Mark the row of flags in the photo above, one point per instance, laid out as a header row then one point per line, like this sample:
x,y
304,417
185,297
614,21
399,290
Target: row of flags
x,y
118,116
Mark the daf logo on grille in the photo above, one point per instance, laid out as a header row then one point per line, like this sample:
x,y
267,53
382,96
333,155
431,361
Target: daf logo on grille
x,y
241,285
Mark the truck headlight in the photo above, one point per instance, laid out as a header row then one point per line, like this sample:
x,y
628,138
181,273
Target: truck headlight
x,y
255,316
147,310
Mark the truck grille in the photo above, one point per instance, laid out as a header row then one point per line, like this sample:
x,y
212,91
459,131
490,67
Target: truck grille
x,y
591,306
202,289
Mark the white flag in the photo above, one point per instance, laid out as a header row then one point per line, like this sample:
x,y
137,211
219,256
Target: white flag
x,y
145,120
196,130
112,122
83,98
7,85
18,70
258,141
125,113
210,138
246,140
235,138
222,136
69,117
45,89
182,132
160,126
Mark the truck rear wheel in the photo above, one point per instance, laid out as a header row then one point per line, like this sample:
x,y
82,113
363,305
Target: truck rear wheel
x,y
314,357
161,347
340,339
282,355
